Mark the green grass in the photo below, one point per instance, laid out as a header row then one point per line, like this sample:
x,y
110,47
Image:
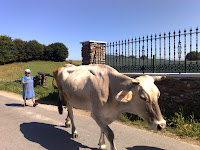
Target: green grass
x,y
11,71
133,120
16,71
11,87
184,126
180,125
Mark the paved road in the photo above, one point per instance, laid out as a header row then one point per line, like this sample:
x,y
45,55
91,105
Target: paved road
x,y
42,128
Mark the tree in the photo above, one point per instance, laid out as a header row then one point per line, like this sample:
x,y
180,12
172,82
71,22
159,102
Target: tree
x,y
19,46
19,50
7,52
34,50
193,56
143,57
60,51
48,53
132,56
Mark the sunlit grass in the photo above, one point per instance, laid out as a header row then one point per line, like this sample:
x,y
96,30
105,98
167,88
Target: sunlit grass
x,y
184,126
178,124
16,70
11,87
11,71
75,62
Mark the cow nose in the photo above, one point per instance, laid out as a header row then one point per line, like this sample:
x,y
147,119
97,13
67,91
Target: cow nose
x,y
161,126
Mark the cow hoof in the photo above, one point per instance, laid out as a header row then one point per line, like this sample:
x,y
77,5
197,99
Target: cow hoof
x,y
67,125
103,147
75,135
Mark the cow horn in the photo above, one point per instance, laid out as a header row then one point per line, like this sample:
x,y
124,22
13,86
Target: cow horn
x,y
158,78
135,82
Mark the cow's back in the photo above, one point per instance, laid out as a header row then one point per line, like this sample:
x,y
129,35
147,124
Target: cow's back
x,y
86,87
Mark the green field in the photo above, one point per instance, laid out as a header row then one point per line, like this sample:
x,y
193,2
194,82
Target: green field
x,y
16,71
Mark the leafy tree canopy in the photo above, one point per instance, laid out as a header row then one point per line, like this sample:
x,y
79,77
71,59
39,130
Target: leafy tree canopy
x,y
7,53
60,51
193,55
18,50
19,46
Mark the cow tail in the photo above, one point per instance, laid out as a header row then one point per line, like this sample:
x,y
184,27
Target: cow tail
x,y
60,108
55,87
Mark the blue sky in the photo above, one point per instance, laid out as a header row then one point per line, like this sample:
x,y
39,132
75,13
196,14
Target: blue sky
x,y
73,21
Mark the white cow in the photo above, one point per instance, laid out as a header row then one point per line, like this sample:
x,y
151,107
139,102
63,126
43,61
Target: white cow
x,y
107,94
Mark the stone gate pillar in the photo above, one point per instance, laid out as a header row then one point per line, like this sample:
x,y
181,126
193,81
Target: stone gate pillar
x,y
93,52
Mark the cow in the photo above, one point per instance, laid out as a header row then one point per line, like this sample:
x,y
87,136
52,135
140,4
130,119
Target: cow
x,y
107,94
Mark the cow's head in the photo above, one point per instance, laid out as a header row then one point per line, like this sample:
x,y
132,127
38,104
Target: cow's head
x,y
142,99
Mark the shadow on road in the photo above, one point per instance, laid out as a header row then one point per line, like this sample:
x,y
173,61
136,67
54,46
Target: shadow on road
x,y
143,148
51,99
16,105
50,137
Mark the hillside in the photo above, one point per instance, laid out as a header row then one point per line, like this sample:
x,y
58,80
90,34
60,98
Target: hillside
x,y
16,71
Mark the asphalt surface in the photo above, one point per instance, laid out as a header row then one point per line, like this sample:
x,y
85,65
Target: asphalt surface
x,y
42,127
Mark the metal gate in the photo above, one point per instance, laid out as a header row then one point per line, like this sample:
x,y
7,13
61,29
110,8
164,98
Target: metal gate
x,y
175,52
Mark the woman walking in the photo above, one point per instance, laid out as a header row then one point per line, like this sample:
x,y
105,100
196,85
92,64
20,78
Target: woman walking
x,y
28,89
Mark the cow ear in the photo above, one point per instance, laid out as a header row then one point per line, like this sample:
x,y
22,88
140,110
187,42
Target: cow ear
x,y
124,96
135,82
158,78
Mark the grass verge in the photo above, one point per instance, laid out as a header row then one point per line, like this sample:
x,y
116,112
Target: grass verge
x,y
180,125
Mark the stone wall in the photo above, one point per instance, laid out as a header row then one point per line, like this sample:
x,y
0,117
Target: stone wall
x,y
93,52
179,93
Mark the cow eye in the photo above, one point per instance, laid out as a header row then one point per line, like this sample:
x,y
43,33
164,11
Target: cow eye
x,y
143,97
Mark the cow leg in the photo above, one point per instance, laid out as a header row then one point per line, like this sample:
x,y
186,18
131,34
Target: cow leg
x,y
105,129
102,144
68,121
71,116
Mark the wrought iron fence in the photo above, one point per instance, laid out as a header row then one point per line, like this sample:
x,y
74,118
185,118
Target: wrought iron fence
x,y
171,52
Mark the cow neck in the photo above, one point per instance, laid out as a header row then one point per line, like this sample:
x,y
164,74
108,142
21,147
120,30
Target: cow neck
x,y
119,82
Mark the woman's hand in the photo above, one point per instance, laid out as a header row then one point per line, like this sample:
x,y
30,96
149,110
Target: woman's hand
x,y
26,82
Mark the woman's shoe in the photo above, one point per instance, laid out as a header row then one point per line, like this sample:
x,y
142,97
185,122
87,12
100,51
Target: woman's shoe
x,y
35,104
